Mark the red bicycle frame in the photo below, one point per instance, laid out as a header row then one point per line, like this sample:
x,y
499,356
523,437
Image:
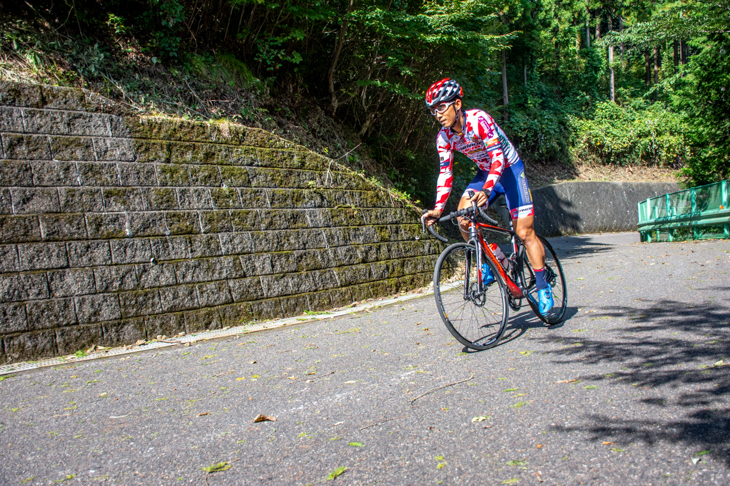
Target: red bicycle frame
x,y
514,289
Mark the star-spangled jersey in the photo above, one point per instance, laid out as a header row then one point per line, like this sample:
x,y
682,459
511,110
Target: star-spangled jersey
x,y
483,142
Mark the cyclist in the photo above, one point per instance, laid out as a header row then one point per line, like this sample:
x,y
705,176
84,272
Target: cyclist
x,y
499,171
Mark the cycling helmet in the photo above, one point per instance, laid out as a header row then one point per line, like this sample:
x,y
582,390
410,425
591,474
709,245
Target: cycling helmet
x,y
442,92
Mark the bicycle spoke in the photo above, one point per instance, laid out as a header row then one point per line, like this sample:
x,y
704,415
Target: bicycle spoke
x,y
476,317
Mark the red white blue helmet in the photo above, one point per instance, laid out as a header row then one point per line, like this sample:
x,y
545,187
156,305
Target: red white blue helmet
x,y
442,92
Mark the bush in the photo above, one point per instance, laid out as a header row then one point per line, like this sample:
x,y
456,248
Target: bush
x,y
625,135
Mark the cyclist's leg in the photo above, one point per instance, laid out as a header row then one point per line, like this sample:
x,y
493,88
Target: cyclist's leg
x,y
519,200
519,203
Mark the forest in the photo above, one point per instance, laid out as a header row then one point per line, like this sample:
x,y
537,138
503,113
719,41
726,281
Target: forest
x,y
618,83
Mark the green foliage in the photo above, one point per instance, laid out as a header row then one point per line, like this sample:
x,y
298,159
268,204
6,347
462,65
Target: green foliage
x,y
710,114
625,135
368,63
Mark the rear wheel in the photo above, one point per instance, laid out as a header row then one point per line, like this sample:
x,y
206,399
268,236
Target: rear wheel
x,y
554,276
475,317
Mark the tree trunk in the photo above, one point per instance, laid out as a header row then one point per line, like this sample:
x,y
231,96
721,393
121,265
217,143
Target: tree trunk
x,y
598,27
612,91
620,29
676,55
505,94
588,28
656,65
557,63
524,72
338,50
647,67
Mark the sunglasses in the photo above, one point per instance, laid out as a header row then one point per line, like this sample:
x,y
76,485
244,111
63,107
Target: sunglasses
x,y
441,108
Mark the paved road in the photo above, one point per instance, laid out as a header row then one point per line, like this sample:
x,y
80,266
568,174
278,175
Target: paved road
x,y
627,391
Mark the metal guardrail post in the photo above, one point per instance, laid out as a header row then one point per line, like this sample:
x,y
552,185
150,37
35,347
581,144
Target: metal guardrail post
x,y
695,229
726,204
670,212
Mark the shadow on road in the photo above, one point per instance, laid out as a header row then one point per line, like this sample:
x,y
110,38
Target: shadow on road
x,y
577,246
521,323
678,350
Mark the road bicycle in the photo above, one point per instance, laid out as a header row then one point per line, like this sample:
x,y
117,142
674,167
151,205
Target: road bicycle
x,y
474,313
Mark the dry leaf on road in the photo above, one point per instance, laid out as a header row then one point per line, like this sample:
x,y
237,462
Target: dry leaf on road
x,y
264,418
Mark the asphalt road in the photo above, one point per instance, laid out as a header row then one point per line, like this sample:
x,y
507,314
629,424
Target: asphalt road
x,y
630,390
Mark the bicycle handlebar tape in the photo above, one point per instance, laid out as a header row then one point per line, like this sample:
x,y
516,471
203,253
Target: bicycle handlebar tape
x,y
436,235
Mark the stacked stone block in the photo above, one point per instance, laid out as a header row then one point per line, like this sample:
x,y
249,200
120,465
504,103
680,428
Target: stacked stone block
x,y
115,227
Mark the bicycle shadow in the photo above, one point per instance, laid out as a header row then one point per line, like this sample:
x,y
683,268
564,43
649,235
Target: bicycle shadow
x,y
523,322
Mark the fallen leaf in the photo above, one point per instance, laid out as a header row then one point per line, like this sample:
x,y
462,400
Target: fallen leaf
x,y
336,473
221,466
480,418
517,463
264,418
609,443
140,342
203,414
253,362
356,444
568,381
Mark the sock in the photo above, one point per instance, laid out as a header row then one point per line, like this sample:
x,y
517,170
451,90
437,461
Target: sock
x,y
540,282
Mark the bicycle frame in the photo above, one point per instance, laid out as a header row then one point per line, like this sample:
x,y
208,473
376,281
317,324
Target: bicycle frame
x,y
477,240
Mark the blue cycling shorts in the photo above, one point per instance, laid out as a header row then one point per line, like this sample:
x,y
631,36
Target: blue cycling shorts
x,y
513,185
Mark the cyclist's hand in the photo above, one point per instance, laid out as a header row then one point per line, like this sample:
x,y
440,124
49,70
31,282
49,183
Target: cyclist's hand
x,y
431,216
480,197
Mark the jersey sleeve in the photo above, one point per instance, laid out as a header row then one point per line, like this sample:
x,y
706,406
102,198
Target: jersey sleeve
x,y
488,133
445,178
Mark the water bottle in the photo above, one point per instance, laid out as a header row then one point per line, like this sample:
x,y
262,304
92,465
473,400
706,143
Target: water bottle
x,y
503,260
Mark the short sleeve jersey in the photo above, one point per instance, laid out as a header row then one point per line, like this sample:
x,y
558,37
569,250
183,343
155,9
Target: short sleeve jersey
x,y
483,142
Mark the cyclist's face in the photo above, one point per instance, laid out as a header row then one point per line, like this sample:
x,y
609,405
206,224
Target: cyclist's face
x,y
447,118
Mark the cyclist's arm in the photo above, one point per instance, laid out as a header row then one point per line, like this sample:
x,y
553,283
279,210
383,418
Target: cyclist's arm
x,y
488,133
445,178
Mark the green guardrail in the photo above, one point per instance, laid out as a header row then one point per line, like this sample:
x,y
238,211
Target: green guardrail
x,y
699,213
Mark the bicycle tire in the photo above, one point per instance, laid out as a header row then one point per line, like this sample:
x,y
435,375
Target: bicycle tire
x,y
555,277
476,319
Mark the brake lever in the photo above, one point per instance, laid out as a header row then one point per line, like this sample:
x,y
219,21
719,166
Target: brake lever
x,y
423,225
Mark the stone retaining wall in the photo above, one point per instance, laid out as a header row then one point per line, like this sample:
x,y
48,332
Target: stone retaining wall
x,y
115,227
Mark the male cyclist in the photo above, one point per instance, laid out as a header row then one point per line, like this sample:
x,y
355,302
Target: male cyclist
x,y
499,171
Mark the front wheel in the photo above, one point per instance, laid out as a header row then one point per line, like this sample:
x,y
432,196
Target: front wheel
x,y
475,316
554,276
